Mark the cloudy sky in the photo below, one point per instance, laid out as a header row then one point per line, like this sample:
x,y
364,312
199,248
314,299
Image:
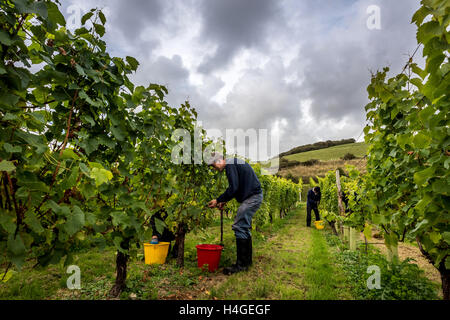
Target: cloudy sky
x,y
298,68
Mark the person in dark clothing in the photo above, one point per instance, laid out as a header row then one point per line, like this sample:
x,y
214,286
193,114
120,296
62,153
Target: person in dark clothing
x,y
167,235
312,203
345,200
244,186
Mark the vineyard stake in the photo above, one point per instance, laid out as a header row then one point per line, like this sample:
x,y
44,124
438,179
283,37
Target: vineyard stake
x,y
221,227
353,235
341,207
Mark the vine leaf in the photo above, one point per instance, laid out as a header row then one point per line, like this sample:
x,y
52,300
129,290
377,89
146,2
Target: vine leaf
x,y
7,166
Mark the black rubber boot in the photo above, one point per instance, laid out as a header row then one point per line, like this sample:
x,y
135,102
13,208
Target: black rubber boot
x,y
241,258
249,252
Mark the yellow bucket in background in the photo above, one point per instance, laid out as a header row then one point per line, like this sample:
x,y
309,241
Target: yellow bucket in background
x,y
319,224
156,253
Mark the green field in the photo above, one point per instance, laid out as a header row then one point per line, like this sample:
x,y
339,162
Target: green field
x,y
359,149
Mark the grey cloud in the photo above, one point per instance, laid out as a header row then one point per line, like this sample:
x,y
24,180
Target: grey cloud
x,y
175,76
126,22
211,86
332,65
168,72
235,24
132,16
336,86
337,64
259,100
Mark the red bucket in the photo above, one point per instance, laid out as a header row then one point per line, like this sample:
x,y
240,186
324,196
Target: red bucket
x,y
209,254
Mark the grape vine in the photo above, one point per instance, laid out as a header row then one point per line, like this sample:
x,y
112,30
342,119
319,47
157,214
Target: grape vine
x,y
86,154
406,191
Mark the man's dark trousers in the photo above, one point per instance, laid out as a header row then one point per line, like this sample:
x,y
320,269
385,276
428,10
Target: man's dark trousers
x,y
310,207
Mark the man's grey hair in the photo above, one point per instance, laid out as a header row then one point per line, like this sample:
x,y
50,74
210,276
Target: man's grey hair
x,y
215,157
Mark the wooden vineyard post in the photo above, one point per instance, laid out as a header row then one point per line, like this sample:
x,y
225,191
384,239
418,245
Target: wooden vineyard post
x,y
392,253
341,207
346,233
366,243
353,235
221,227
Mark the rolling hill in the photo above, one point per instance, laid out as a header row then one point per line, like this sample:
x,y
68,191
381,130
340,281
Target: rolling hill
x,y
358,149
328,159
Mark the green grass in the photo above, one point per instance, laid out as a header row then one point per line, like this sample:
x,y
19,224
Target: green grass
x,y
359,149
294,264
50,283
322,278
290,261
402,280
144,281
275,271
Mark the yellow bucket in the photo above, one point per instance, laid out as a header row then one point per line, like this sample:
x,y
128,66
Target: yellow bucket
x,y
319,224
156,253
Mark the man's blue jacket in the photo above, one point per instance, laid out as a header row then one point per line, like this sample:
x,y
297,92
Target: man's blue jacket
x,y
242,180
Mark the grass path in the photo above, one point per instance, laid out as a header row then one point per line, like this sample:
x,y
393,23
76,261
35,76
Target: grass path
x,y
295,263
290,261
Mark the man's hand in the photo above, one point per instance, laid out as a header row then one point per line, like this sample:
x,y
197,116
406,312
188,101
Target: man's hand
x,y
212,203
220,205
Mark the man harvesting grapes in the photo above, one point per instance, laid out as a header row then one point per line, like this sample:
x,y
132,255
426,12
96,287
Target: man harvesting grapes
x,y
312,203
244,186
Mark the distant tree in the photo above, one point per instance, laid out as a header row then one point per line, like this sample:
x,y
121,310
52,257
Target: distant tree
x,y
348,156
317,146
310,162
